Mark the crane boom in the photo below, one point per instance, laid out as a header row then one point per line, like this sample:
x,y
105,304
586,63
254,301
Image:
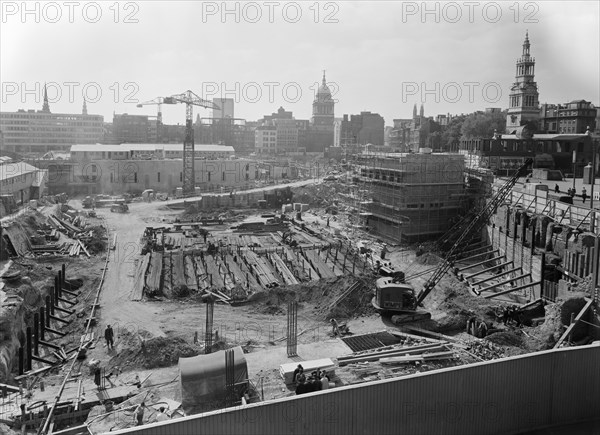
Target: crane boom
x,y
475,224
158,101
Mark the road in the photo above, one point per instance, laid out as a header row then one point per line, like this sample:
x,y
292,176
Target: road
x,y
179,202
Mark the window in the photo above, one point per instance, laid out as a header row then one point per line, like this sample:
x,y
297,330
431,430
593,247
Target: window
x,y
135,177
111,177
158,177
223,176
181,177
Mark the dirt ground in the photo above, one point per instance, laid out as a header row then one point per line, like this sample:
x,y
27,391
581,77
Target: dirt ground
x,y
151,335
178,322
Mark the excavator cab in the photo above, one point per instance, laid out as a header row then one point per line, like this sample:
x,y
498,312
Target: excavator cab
x,y
396,297
392,295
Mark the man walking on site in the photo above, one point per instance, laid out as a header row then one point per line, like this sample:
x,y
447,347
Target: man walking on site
x,y
109,337
584,194
139,414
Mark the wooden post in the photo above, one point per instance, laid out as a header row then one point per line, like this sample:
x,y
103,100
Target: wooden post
x,y
42,324
47,307
21,360
36,334
542,270
29,349
58,284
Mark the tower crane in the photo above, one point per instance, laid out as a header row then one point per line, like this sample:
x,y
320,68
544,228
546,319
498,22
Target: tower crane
x,y
159,101
190,99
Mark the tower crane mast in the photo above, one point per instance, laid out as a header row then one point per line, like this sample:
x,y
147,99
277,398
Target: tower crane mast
x,y
190,99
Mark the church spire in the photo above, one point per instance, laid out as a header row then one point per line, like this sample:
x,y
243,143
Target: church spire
x,y
526,44
415,111
324,81
46,106
84,110
422,111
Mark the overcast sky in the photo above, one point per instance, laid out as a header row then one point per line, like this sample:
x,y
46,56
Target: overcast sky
x,y
379,56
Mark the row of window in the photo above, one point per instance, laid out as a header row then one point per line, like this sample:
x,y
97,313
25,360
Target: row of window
x,y
431,205
135,176
11,180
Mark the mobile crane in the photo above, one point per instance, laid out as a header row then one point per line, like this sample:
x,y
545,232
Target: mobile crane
x,y
396,297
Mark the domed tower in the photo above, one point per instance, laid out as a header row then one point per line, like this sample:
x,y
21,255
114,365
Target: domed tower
x,y
323,114
524,97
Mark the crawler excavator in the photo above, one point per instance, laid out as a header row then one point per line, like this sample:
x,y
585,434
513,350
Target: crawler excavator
x,y
395,297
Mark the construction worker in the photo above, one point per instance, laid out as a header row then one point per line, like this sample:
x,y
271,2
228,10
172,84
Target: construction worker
x,y
299,369
109,337
324,380
97,377
336,329
138,415
584,194
162,416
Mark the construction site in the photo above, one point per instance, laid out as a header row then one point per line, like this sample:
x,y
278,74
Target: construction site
x,y
330,304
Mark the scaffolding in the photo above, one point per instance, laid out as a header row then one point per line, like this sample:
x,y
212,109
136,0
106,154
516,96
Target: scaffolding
x,y
410,197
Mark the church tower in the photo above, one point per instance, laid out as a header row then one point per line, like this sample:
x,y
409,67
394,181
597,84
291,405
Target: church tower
x,y
323,105
524,97
84,110
46,106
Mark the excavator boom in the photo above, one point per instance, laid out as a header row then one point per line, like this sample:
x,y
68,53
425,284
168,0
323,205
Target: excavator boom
x,y
473,225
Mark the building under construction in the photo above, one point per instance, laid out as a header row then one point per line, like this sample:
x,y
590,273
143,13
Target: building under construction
x,y
410,197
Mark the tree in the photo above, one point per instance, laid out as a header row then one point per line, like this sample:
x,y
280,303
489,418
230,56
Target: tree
x,y
434,140
451,134
483,124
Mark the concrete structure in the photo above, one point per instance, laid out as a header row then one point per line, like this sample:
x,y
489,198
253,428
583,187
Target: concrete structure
x,y
411,196
533,221
115,176
337,133
293,135
130,128
20,180
509,395
225,108
570,118
141,151
364,128
408,135
234,132
524,97
37,132
265,140
507,152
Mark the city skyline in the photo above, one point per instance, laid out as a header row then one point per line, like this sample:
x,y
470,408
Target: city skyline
x,y
382,58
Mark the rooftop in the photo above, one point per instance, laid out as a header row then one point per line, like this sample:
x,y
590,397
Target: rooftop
x,y
149,147
10,170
